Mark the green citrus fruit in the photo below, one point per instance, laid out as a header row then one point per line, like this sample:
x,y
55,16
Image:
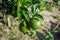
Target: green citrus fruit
x,y
35,24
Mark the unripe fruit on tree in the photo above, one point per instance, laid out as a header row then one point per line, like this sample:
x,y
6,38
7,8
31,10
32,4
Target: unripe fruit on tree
x,y
35,24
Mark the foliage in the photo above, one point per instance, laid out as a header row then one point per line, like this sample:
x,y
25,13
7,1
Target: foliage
x,y
12,32
48,6
58,2
56,17
18,8
0,1
1,27
48,36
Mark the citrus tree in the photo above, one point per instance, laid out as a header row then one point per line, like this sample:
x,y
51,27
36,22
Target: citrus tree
x,y
31,20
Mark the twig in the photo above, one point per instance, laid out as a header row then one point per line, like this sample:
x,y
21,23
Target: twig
x,y
9,22
56,27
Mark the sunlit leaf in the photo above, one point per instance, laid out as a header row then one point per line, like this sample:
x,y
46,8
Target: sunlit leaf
x,y
25,15
0,1
19,14
58,2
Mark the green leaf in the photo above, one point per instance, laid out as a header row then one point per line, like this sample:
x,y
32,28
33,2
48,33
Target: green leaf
x,y
1,27
56,17
58,2
42,38
34,7
19,14
36,1
27,4
48,7
33,33
49,35
39,17
19,4
0,1
24,29
23,23
42,6
26,15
